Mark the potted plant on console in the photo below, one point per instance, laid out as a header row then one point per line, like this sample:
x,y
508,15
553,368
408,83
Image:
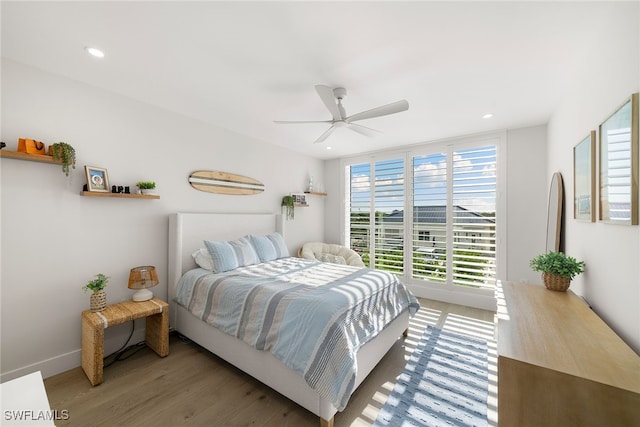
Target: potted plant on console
x,y
557,269
98,299
147,187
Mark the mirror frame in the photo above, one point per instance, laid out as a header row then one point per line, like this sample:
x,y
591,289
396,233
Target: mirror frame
x,y
554,213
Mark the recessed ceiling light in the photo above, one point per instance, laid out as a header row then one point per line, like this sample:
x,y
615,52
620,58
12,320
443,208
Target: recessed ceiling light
x,y
328,148
95,52
487,116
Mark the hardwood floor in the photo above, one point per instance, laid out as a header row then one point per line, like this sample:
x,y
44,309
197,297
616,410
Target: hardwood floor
x,y
192,387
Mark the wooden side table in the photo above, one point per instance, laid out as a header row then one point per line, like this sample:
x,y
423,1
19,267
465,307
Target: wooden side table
x,y
94,323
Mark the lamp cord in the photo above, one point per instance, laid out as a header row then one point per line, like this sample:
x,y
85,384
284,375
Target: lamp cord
x,y
119,354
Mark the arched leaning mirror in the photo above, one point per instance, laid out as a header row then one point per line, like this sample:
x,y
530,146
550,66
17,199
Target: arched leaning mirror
x,y
554,213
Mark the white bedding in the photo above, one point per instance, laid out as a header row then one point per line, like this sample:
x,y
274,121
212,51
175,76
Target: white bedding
x,y
312,316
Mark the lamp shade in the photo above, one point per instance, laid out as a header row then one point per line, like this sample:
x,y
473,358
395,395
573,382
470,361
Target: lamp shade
x,y
141,278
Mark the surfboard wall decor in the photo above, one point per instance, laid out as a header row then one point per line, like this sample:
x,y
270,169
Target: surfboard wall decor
x,y
225,183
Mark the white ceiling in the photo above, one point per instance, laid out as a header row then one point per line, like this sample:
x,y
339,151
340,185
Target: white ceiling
x,y
241,65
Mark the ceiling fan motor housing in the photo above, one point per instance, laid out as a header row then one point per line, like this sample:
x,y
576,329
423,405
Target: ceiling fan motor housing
x,y
339,92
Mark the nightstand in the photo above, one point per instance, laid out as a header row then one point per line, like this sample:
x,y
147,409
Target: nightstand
x,y
94,323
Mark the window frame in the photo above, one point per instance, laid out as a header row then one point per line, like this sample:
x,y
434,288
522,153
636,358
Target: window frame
x,y
422,287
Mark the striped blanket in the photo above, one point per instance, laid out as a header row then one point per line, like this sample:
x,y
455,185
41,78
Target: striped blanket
x,y
311,316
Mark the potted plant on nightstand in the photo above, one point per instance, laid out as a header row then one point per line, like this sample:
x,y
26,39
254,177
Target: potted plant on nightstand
x,y
65,153
98,299
557,269
147,187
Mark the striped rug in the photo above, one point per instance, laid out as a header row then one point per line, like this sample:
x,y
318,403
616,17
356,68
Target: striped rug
x,y
445,383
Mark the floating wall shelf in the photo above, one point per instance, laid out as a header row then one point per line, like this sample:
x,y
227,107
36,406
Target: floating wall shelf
x,y
315,193
121,195
42,158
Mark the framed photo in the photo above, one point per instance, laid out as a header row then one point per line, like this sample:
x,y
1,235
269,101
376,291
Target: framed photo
x,y
584,179
97,179
619,165
299,199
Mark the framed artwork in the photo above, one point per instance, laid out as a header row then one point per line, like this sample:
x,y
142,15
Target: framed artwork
x,y
584,179
97,179
618,136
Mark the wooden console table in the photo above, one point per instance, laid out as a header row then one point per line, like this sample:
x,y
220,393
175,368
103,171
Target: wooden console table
x,y
94,323
559,364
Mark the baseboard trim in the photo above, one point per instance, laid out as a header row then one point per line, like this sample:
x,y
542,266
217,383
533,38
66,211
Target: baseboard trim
x,y
48,367
71,360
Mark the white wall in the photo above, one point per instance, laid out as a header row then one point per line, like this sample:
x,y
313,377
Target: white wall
x,y
527,198
611,282
54,240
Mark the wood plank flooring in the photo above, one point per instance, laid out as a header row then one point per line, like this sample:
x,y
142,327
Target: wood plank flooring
x,y
192,387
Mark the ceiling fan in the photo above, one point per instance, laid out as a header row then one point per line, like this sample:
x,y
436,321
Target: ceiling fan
x,y
340,118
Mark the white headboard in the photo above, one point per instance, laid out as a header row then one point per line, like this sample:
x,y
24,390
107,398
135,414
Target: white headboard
x,y
188,230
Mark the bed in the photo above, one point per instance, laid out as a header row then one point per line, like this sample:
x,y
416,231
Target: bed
x,y
186,235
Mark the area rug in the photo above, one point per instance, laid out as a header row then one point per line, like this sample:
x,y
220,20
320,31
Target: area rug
x,y
445,383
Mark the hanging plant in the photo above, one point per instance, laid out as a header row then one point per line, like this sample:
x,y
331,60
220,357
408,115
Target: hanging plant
x,y
288,206
65,153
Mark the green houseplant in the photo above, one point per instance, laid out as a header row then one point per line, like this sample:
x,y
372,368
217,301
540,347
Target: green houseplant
x,y
65,153
146,187
98,299
288,206
557,269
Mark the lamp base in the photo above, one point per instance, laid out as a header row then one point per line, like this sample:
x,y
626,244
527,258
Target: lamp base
x,y
142,295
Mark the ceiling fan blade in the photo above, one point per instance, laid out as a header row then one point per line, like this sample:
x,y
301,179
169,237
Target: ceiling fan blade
x,y
301,121
394,107
325,135
326,94
363,130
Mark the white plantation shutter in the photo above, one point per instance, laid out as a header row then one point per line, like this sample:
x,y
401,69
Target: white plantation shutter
x,y
389,215
474,216
359,210
430,216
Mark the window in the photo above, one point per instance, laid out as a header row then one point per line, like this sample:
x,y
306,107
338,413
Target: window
x,y
474,216
376,196
432,214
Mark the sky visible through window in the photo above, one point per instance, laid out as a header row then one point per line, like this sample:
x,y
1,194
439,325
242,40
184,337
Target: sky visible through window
x,y
430,181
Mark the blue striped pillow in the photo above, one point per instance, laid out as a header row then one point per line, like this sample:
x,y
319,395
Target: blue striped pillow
x,y
270,247
231,254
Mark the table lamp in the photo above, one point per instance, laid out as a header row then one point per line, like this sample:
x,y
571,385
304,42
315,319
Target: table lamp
x,y
141,278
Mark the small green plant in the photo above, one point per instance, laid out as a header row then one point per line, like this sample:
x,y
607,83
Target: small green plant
x,y
288,206
65,153
557,263
146,185
97,284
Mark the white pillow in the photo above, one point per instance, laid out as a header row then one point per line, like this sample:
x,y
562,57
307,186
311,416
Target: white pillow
x,y
202,257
